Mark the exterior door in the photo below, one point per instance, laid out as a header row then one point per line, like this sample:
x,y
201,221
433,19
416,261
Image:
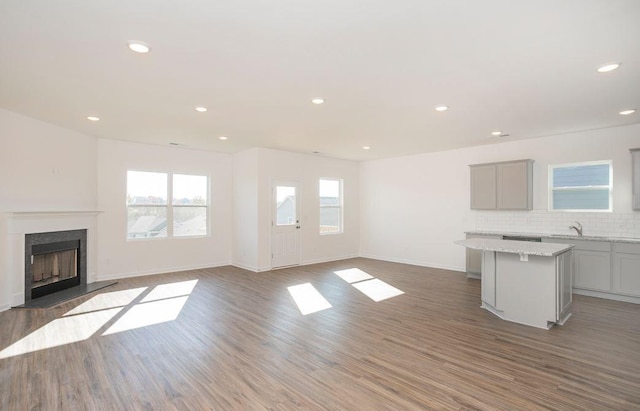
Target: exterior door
x,y
285,226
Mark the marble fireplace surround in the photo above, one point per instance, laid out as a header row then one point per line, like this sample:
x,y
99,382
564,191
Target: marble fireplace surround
x,y
32,222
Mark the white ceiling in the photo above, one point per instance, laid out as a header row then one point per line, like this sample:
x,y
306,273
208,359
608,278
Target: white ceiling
x,y
525,67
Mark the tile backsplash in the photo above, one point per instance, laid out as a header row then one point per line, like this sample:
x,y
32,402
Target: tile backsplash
x,y
546,222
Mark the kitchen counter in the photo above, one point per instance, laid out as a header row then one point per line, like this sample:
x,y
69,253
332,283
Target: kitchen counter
x,y
525,282
515,247
559,236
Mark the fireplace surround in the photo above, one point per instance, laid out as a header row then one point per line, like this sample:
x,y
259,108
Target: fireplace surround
x,y
54,261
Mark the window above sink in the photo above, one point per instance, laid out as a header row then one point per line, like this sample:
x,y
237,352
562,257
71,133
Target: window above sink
x,y
581,186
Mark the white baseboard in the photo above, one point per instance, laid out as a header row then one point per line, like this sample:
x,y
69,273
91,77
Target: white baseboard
x,y
246,267
327,260
412,262
307,262
17,299
608,296
162,271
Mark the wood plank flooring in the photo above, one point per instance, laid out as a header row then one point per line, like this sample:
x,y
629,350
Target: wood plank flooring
x,y
237,341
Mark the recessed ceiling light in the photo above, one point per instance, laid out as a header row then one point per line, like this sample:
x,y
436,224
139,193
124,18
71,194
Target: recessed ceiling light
x,y
496,133
201,109
366,147
93,118
223,138
317,100
608,67
139,47
442,108
627,112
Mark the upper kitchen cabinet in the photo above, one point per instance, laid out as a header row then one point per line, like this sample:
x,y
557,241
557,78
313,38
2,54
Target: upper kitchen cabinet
x,y
502,186
483,186
635,167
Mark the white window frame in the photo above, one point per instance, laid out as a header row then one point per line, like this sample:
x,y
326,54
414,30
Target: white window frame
x,y
340,206
609,187
170,206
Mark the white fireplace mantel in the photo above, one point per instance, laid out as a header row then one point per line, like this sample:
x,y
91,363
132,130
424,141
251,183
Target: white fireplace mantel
x,y
50,213
25,222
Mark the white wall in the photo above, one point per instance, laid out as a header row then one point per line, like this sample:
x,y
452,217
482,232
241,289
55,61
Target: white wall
x,y
245,209
255,171
7,287
42,168
119,257
45,167
414,207
407,209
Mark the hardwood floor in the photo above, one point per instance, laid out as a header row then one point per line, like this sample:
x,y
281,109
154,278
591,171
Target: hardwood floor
x,y
238,341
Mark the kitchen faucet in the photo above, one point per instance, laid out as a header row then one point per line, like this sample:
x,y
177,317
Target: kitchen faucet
x,y
577,227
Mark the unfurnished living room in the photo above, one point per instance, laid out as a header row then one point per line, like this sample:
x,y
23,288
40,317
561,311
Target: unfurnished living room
x,y
344,205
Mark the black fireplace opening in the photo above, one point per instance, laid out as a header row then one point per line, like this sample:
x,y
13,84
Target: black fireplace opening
x,y
54,267
54,261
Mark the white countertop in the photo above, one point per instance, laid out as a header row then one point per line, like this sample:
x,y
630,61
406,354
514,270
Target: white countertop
x,y
515,247
560,236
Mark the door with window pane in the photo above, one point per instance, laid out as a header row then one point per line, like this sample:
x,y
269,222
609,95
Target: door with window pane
x,y
285,231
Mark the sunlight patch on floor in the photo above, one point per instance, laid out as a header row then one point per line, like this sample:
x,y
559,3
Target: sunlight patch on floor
x,y
108,300
146,314
308,299
353,275
377,289
170,290
61,331
164,303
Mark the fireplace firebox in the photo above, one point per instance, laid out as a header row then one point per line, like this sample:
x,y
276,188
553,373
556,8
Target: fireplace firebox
x,y
54,261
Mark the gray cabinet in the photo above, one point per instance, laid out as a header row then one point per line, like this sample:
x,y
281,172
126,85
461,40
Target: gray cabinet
x,y
593,270
635,170
515,185
483,187
488,285
502,186
592,261
474,257
534,291
564,286
626,269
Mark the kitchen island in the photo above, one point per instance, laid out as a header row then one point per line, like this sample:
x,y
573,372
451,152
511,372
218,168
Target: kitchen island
x,y
525,282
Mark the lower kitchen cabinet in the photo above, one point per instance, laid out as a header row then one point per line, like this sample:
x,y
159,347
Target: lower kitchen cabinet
x,y
626,269
488,285
592,261
593,270
535,291
601,268
564,285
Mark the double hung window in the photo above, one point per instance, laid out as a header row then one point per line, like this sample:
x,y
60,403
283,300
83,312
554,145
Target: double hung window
x,y
330,206
150,214
581,186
